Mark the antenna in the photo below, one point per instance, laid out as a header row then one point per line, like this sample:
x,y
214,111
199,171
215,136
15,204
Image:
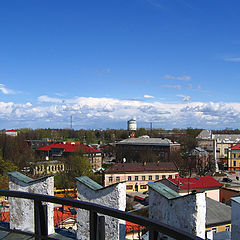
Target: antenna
x,y
71,122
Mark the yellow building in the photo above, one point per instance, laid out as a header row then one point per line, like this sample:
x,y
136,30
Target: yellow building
x,y
47,167
138,175
234,158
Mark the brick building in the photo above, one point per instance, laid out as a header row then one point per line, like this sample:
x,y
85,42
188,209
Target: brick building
x,y
145,149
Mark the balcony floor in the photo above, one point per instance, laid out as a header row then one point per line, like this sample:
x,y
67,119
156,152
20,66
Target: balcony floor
x,y
8,235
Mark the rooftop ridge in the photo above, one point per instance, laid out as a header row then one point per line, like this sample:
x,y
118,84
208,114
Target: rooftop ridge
x,y
89,183
164,190
26,179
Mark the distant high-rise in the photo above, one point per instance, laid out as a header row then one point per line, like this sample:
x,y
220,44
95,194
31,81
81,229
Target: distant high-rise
x,y
132,125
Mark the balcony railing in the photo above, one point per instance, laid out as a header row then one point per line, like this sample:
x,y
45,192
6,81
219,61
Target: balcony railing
x,y
97,223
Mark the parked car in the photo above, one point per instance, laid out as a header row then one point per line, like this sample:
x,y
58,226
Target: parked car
x,y
226,179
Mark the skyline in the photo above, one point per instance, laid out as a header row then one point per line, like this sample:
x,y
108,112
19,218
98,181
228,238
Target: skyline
x,y
171,63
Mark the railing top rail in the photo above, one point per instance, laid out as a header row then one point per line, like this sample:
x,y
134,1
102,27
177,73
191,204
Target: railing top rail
x,y
143,221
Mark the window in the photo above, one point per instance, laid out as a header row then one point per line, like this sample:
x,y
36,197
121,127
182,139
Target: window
x,y
227,228
129,178
214,230
149,177
225,150
110,179
163,176
136,178
156,177
118,179
170,176
234,163
129,187
143,186
234,155
143,178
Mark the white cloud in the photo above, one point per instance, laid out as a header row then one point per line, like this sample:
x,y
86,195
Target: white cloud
x,y
148,96
182,78
232,59
89,112
185,98
5,90
178,87
45,98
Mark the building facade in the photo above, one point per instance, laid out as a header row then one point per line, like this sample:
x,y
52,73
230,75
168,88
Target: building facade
x,y
234,158
185,186
138,175
146,149
59,150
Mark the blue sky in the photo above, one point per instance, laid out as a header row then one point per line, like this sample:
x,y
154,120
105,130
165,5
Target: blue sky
x,y
173,63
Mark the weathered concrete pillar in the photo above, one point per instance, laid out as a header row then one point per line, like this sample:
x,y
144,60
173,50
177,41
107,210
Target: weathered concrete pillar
x,y
187,212
22,210
235,218
113,196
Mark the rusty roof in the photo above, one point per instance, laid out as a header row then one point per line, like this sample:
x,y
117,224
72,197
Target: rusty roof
x,y
142,167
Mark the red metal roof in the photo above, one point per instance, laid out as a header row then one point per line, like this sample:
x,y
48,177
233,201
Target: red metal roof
x,y
4,216
69,148
11,130
236,147
196,182
133,226
60,216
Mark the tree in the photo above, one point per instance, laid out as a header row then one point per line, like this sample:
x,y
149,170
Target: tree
x,y
75,166
5,167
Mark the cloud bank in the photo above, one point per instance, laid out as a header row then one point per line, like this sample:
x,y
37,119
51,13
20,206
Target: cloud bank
x,y
89,112
5,90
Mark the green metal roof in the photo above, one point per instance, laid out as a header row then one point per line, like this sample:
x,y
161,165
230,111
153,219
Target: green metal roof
x,y
164,190
25,178
89,183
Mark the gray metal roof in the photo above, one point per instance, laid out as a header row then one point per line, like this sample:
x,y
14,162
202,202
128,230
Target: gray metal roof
x,y
89,183
236,199
205,134
24,178
164,190
217,212
225,138
147,141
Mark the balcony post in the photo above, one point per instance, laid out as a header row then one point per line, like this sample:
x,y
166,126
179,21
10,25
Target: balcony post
x,y
97,226
93,225
153,235
40,219
101,227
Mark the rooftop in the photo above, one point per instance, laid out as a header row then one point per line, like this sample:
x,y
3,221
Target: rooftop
x,y
225,138
89,183
68,147
236,147
164,190
147,141
142,167
196,182
23,178
217,213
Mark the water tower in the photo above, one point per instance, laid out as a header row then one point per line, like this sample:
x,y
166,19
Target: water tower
x,y
132,125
